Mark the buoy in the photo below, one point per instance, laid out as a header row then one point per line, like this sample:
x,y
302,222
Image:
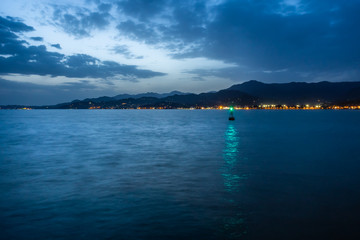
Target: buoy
x,y
231,116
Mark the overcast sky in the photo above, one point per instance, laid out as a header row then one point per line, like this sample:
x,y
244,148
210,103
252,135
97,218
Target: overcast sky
x,y
56,51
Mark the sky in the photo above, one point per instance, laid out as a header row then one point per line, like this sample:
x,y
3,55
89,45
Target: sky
x,y
59,51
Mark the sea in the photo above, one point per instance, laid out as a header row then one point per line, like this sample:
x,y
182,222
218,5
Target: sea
x,y
179,174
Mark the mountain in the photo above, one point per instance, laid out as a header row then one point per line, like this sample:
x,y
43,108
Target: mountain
x,y
148,94
249,93
223,97
300,92
135,96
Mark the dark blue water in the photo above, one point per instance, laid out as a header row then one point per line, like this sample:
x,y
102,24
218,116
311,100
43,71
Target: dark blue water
x,y
179,174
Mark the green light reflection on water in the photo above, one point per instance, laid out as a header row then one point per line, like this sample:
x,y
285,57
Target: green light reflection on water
x,y
231,156
234,223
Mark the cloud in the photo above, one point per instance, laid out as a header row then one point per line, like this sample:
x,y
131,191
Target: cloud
x,y
256,36
104,7
265,35
124,50
56,46
38,39
142,9
80,22
311,39
38,60
172,25
14,25
139,31
82,65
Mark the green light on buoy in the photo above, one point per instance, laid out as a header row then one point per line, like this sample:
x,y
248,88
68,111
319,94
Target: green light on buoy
x,y
231,116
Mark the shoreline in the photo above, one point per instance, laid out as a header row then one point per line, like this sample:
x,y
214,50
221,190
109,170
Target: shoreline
x,y
196,108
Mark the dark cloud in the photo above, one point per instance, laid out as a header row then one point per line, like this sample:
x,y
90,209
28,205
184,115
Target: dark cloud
x,y
82,65
189,22
142,9
56,46
254,35
308,38
14,25
170,24
139,31
9,41
38,39
104,7
38,60
80,22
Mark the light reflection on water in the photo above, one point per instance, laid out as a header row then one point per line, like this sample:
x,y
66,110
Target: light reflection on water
x,y
234,225
230,153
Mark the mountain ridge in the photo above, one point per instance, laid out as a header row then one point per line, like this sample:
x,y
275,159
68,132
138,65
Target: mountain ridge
x,y
249,93
301,92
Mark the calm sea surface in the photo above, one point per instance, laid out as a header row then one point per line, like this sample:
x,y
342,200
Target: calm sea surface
x,y
179,174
